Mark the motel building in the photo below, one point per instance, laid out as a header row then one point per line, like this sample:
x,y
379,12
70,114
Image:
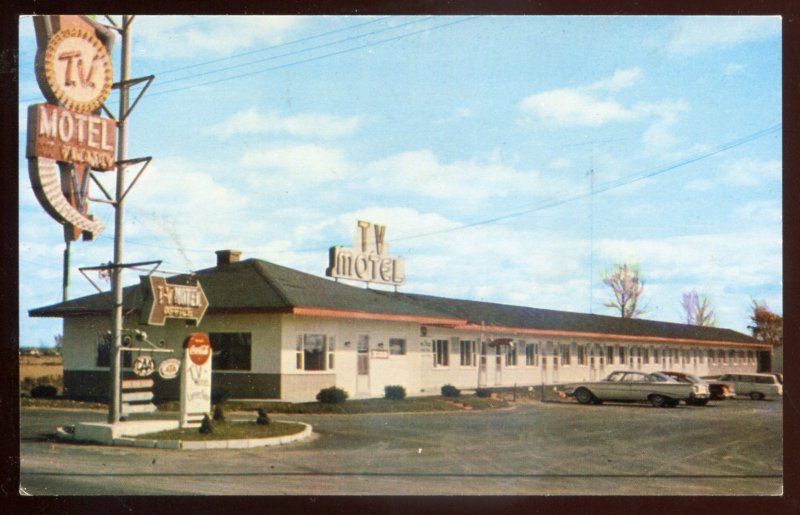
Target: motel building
x,y
282,334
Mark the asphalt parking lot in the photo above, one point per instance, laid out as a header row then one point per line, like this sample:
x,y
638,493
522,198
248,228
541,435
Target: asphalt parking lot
x,y
726,448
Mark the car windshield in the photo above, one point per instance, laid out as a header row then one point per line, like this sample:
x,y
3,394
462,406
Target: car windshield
x,y
657,376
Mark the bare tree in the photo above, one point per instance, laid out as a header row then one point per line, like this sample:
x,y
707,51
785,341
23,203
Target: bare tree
x,y
624,281
698,309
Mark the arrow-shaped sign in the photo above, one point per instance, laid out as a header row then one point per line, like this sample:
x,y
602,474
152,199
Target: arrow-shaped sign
x,y
165,300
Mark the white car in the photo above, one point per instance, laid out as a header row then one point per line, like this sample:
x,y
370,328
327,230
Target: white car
x,y
631,386
755,386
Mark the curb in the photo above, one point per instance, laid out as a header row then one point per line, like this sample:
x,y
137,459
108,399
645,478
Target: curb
x,y
203,445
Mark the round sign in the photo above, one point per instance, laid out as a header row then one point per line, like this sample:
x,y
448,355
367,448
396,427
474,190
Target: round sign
x,y
169,368
143,366
198,346
77,70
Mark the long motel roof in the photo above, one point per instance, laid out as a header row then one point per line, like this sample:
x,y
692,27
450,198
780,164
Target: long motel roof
x,y
257,286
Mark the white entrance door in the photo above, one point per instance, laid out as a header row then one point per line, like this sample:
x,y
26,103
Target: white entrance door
x,y
362,374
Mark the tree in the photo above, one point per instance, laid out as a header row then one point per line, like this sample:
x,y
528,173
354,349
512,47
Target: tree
x,y
627,287
767,326
698,310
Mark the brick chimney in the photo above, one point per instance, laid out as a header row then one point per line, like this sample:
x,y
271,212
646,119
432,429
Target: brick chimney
x,y
226,257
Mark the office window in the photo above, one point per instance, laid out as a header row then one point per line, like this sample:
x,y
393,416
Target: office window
x,y
468,353
230,351
103,357
311,351
397,346
441,353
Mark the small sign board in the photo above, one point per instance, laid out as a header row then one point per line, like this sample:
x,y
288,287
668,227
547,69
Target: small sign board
x,y
137,396
138,408
137,384
165,300
379,354
195,379
143,366
169,368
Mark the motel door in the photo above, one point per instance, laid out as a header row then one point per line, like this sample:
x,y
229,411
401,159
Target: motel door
x,y
482,365
498,365
362,377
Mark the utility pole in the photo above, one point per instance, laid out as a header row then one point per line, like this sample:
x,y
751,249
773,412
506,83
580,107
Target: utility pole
x,y
116,271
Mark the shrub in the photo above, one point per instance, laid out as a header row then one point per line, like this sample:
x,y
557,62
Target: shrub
x,y
220,396
263,418
332,395
449,390
394,392
205,426
44,391
219,414
483,392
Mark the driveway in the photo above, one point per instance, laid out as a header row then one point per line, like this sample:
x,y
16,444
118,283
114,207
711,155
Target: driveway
x,y
725,448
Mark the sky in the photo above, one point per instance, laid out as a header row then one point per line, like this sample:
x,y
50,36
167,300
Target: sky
x,y
512,159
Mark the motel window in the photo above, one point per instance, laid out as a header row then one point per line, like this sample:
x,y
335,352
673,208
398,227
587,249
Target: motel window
x,y
646,356
468,352
441,353
103,358
230,351
397,346
532,355
731,356
750,356
710,356
610,355
331,349
581,354
511,355
623,355
566,357
721,356
701,356
312,350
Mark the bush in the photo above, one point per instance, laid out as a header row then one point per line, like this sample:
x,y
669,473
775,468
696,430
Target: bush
x,y
220,396
332,395
44,391
219,414
394,392
483,392
449,390
263,418
205,426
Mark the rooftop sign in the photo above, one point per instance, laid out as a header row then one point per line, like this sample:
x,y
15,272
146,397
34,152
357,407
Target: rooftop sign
x,y
368,260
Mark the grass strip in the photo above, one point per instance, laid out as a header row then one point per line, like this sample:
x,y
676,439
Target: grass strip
x,y
225,430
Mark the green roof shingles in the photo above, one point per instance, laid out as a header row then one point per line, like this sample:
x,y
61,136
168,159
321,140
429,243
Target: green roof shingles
x,y
256,285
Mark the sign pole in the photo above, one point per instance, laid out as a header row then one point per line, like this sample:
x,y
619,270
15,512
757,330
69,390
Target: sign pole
x,y
116,277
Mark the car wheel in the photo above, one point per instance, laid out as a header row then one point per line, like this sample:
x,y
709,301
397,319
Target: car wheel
x,y
699,402
659,401
756,396
671,403
584,396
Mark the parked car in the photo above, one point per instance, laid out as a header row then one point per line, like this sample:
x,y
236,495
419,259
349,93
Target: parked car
x,y
682,377
719,389
756,386
632,386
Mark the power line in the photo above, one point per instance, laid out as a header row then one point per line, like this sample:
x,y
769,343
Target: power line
x,y
295,52
316,58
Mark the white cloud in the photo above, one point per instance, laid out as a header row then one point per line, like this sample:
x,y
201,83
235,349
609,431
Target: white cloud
x,y
620,80
733,69
162,37
422,173
306,163
310,125
574,107
766,211
751,172
696,34
560,163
